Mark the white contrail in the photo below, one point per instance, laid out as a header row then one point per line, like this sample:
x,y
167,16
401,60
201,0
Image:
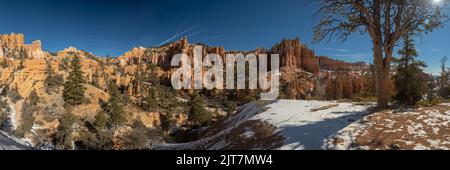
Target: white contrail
x,y
177,35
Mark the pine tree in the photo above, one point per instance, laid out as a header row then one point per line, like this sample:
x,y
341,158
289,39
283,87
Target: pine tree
x,y
410,82
101,121
139,78
444,86
29,107
198,115
153,76
98,136
114,106
74,89
151,101
53,81
167,123
96,79
63,137
137,138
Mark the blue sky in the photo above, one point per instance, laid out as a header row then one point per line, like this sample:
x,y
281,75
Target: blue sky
x,y
115,26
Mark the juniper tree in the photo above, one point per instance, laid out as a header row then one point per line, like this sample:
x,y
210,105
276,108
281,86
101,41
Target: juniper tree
x,y
74,88
385,21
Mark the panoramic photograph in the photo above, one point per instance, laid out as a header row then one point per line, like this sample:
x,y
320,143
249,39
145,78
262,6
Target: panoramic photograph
x,y
234,75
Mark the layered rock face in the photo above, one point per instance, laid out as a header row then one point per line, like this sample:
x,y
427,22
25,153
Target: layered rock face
x,y
24,69
13,46
300,67
294,54
328,64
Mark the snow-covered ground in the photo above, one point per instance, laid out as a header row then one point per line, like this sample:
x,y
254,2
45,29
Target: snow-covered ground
x,y
299,124
315,125
8,142
306,129
422,128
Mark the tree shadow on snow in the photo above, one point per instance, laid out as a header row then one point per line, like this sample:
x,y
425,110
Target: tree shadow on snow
x,y
312,135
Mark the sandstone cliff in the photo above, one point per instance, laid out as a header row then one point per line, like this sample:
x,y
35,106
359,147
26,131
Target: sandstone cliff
x,y
24,69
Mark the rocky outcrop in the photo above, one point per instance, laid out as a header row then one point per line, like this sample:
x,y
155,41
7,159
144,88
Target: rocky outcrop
x,y
328,64
338,85
294,54
296,83
24,69
13,46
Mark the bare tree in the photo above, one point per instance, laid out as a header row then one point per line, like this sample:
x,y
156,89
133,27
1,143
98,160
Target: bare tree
x,y
386,21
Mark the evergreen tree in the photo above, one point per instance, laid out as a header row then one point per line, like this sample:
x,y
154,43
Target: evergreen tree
x,y
99,137
444,87
139,79
151,101
153,76
74,89
95,79
101,121
167,123
29,107
137,138
63,137
410,82
198,115
53,81
114,106
100,140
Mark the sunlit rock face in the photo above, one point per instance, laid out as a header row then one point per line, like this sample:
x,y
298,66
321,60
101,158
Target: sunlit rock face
x,y
294,54
13,46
